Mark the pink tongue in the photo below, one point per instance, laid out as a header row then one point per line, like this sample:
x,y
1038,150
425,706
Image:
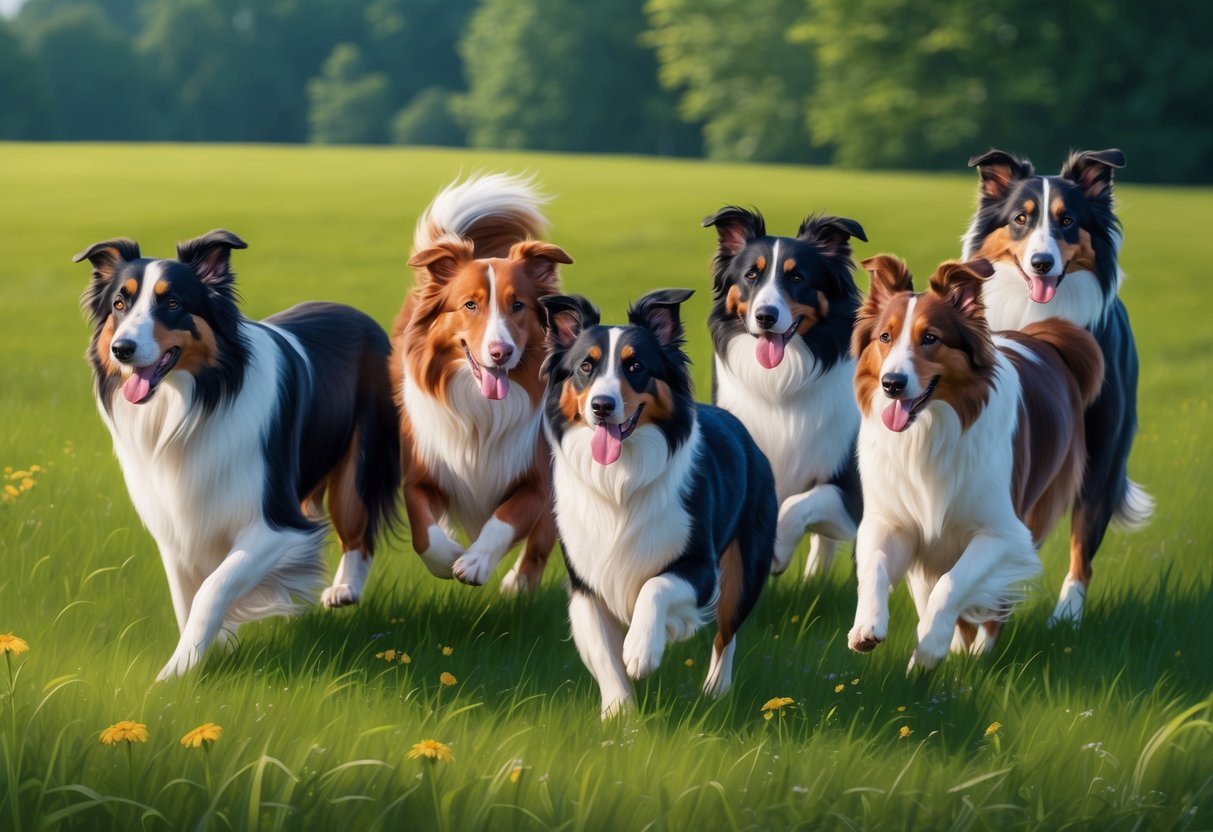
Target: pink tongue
x,y
607,444
897,415
139,386
494,384
1042,289
769,350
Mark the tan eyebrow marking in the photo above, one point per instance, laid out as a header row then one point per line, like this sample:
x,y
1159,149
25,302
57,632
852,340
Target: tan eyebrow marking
x,y
789,264
595,353
131,286
626,353
1029,206
161,287
761,263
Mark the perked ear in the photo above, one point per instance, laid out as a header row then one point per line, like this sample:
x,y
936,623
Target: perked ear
x,y
658,311
890,276
830,231
565,316
1092,170
106,257
960,284
735,227
999,170
443,260
541,260
210,256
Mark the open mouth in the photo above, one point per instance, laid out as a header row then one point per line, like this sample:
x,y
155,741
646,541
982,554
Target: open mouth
x,y
607,444
771,345
901,412
1041,289
494,381
143,381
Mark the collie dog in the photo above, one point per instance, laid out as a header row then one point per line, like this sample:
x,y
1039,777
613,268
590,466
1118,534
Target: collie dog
x,y
970,448
467,352
782,313
1055,245
230,431
666,509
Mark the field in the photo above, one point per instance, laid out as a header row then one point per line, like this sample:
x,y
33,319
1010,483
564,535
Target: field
x,y
1108,726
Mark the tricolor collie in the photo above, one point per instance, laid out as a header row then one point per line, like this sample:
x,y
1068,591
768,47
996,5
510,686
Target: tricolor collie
x,y
230,431
666,509
782,313
1055,245
970,448
467,352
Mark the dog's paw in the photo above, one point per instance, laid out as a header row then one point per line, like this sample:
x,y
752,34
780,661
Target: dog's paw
x,y
617,707
339,595
515,583
926,657
473,569
181,663
441,556
786,540
863,638
641,652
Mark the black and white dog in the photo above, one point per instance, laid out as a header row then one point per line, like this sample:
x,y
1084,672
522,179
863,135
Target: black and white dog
x,y
666,509
782,313
1055,245
230,431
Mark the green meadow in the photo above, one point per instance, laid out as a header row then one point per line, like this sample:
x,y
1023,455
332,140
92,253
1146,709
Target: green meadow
x,y
1108,726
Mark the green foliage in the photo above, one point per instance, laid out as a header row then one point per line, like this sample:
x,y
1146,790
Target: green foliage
x,y
24,103
348,105
428,119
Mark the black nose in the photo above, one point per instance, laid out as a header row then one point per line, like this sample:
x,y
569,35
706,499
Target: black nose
x,y
766,316
894,383
123,349
1042,262
602,406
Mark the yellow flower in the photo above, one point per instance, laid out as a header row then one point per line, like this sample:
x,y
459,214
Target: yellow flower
x,y
994,728
432,750
839,688
904,732
404,658
12,645
854,681
387,655
446,651
11,490
768,715
447,679
901,709
27,484
777,703
18,475
35,468
125,731
689,662
206,732
1068,650
515,773
795,619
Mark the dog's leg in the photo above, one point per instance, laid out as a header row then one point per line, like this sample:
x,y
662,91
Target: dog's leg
x,y
720,671
528,569
509,523
256,553
424,506
662,597
882,555
821,509
599,640
181,586
350,518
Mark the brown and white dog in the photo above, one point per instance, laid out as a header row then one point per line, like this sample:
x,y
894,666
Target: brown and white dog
x,y
971,446
466,354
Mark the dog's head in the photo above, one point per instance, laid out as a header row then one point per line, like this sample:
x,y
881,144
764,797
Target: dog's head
x,y
780,288
483,314
614,380
1046,227
155,317
916,349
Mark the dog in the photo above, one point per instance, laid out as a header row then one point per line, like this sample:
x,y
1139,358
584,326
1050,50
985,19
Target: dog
x,y
230,432
782,313
1055,245
468,346
971,446
666,509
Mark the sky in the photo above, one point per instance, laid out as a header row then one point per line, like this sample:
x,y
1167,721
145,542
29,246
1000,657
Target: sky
x,y
8,8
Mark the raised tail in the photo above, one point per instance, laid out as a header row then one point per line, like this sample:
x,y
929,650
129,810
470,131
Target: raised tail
x,y
1077,349
493,211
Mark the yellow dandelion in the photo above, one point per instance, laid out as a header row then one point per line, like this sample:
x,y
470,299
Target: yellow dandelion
x,y
1068,650
27,484
795,619
11,491
768,715
854,681
446,651
839,688
205,733
447,679
12,645
994,728
35,468
8,469
689,662
387,655
515,773
904,732
405,658
18,475
127,731
431,750
901,709
777,703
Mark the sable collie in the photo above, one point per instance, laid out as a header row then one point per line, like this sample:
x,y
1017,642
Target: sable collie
x,y
467,351
666,509
230,431
782,313
970,448
1055,245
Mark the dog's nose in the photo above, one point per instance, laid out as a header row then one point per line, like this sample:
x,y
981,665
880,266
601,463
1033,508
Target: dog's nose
x,y
602,406
1042,262
123,349
894,383
766,316
500,352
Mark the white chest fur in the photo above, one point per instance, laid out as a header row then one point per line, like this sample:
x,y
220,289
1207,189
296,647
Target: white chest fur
x,y
804,420
623,523
1008,306
475,448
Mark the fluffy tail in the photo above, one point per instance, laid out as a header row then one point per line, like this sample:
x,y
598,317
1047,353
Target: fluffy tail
x,y
493,211
1135,510
1077,349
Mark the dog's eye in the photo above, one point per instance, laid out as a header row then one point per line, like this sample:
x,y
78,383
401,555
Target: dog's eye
x,y
796,277
173,303
1066,222
471,306
885,337
752,274
635,367
586,367
929,338
518,306
119,304
1021,218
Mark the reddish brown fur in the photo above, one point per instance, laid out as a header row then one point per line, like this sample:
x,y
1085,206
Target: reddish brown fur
x,y
733,302
197,351
731,588
658,402
105,355
1000,247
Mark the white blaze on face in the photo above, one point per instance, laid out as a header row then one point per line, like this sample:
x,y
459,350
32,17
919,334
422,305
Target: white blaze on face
x,y
139,323
607,383
901,358
769,296
1042,241
497,330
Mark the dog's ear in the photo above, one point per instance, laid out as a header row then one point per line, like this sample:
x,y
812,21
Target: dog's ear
x,y
659,312
1092,170
889,276
735,227
830,231
210,256
960,284
106,257
998,171
442,261
541,261
565,316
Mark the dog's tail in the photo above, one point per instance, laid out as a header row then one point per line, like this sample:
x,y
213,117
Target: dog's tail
x,y
492,211
1136,509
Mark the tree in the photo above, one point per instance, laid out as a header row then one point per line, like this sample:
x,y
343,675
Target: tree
x,y
428,119
24,104
348,105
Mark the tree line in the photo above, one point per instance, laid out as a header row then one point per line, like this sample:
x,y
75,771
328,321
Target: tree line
x,y
859,83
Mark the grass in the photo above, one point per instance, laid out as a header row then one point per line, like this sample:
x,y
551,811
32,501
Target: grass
x,y
1104,727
